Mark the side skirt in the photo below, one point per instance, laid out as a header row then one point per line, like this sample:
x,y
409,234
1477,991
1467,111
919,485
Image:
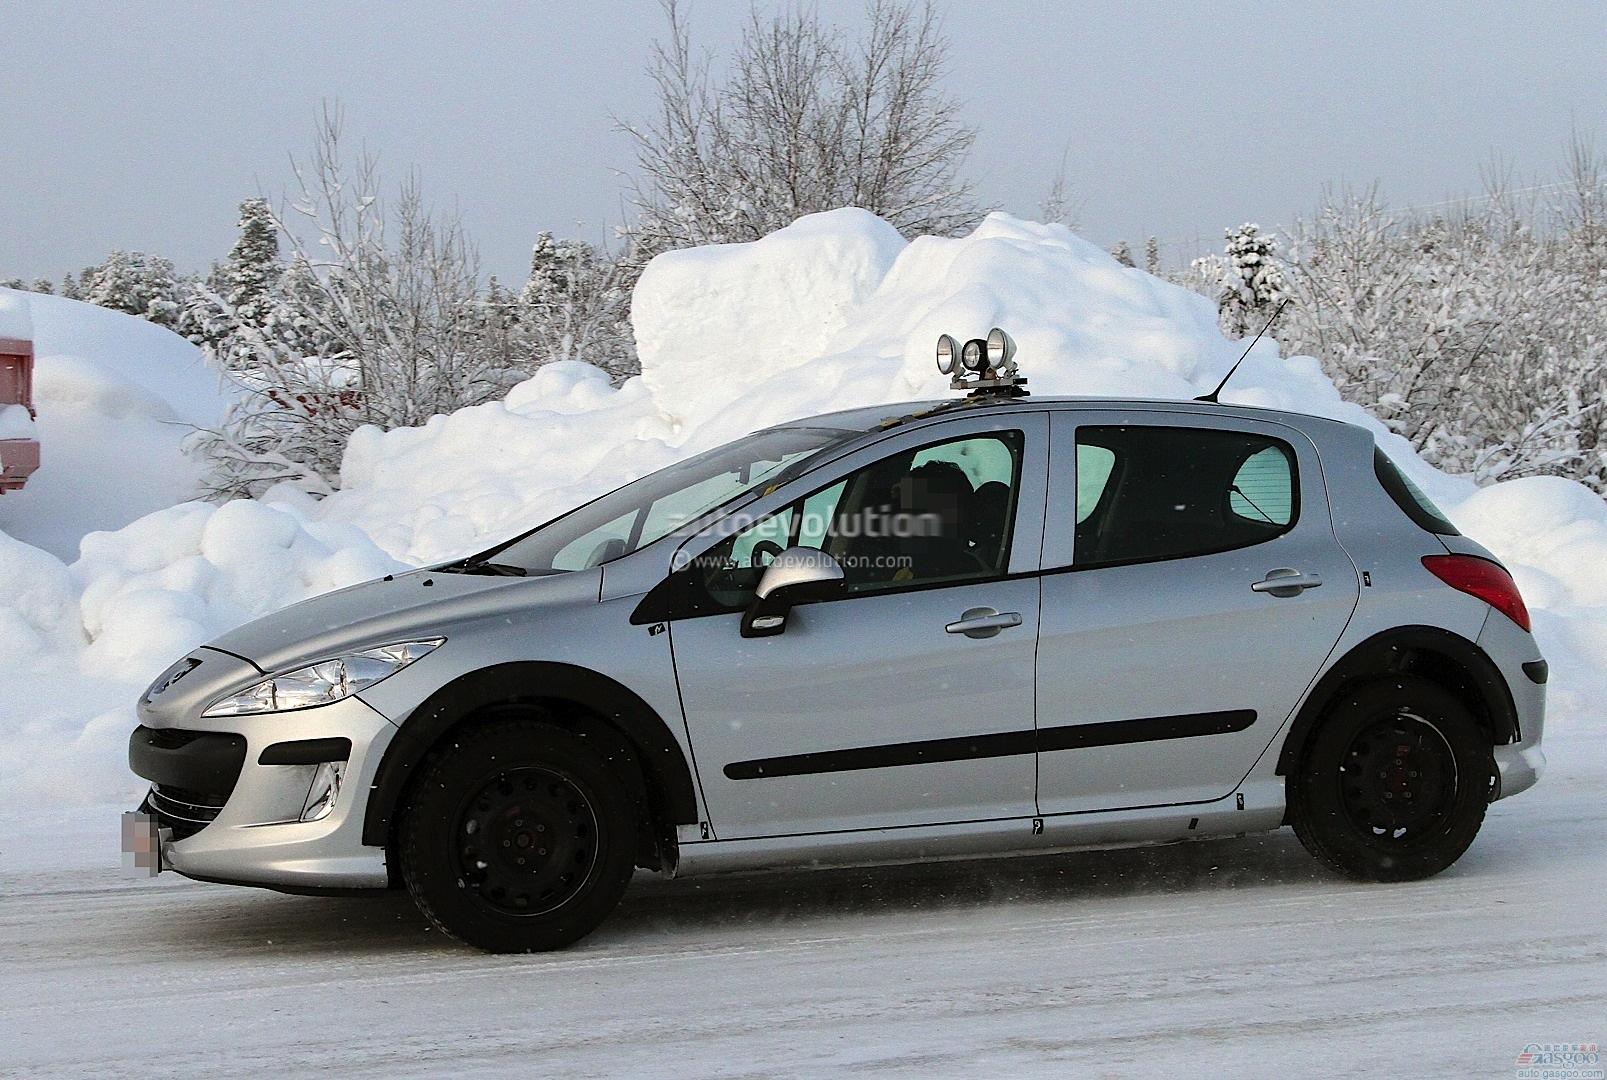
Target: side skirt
x,y
1258,806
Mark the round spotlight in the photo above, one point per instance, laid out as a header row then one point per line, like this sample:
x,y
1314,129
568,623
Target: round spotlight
x,y
948,351
1001,349
974,355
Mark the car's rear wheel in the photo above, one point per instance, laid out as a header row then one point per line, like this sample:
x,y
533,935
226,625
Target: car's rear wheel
x,y
518,838
1393,783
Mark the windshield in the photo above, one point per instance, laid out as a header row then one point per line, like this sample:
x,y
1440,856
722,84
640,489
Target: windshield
x,y
645,510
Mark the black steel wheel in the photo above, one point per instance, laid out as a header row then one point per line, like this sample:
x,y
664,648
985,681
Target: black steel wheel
x,y
1394,782
1398,780
526,841
520,837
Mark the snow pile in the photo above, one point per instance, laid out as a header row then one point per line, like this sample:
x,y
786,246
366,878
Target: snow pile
x,y
833,312
116,397
16,324
708,318
15,423
39,613
1552,535
446,488
78,644
175,579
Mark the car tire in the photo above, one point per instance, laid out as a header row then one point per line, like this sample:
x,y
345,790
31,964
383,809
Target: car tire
x,y
1394,781
519,837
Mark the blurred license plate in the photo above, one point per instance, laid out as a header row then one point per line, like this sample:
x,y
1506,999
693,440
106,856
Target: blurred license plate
x,y
142,843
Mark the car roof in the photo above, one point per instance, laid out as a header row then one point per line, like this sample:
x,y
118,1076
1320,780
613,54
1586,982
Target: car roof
x,y
878,418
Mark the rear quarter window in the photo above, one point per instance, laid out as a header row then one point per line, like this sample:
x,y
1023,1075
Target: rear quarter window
x,y
1409,497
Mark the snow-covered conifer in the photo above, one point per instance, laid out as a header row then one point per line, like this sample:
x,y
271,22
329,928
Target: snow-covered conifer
x,y
134,282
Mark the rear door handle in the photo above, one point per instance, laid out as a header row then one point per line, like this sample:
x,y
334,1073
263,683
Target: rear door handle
x,y
983,622
1286,582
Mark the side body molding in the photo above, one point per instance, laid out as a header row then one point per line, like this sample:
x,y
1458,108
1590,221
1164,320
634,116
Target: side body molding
x,y
532,682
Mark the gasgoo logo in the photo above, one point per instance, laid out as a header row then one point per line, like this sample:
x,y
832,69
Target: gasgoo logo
x,y
1560,1061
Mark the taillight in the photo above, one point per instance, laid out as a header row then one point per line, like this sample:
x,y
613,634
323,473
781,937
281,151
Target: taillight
x,y
1482,578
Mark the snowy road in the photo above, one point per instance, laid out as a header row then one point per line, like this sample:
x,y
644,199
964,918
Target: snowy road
x,y
1201,959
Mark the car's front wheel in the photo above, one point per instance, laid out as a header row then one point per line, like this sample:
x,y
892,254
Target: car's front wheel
x,y
1393,783
519,837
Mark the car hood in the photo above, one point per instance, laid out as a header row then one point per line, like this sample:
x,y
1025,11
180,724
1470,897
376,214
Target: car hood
x,y
401,607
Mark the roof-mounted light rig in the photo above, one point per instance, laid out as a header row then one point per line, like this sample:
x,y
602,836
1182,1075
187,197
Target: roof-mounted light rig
x,y
984,366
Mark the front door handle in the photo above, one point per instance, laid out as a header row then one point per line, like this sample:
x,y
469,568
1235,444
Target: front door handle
x,y
983,622
1286,582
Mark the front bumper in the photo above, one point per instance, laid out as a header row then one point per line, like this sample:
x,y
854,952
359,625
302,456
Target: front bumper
x,y
246,828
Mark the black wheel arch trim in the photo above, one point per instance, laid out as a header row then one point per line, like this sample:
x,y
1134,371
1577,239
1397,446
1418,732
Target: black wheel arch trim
x,y
532,682
1405,649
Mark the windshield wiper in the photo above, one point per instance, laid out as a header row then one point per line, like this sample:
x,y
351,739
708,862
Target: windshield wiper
x,y
488,569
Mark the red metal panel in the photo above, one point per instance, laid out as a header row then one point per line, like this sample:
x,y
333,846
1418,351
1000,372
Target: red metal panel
x,y
18,460
16,372
18,457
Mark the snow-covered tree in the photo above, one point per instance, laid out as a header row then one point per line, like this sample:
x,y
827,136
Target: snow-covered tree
x,y
576,306
1152,256
1478,333
802,120
1246,279
241,302
134,282
252,267
1123,253
389,294
38,285
1057,206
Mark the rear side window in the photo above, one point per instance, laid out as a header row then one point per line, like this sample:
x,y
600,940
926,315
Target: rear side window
x,y
1154,493
1409,497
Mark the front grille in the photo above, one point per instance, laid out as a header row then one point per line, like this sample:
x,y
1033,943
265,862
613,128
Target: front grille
x,y
185,812
172,738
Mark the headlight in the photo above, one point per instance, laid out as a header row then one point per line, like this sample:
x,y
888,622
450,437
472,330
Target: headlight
x,y
322,683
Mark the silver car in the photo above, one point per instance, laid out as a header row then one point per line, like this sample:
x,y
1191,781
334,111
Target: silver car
x,y
997,624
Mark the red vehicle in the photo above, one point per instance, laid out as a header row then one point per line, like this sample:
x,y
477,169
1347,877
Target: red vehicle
x,y
19,455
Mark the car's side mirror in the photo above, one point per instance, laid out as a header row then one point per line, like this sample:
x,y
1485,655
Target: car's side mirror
x,y
797,575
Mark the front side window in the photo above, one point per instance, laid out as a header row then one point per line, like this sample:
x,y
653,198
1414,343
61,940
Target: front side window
x,y
940,514
641,512
1149,493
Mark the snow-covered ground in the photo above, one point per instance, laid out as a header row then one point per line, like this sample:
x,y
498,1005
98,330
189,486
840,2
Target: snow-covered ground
x,y
1221,958
1115,963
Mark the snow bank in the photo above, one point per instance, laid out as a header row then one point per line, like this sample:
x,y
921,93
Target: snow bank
x,y
1552,535
558,439
713,322
40,610
15,321
833,312
78,644
177,578
116,397
15,423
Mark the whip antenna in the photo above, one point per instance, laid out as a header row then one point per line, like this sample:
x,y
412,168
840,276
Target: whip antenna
x,y
1211,397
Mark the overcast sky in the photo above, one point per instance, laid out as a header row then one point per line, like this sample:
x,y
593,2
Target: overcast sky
x,y
141,126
